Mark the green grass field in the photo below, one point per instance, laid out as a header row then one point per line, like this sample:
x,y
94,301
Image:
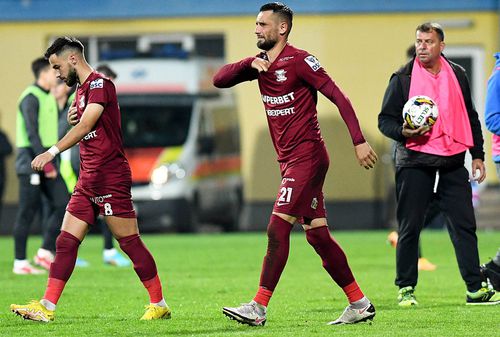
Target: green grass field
x,y
202,273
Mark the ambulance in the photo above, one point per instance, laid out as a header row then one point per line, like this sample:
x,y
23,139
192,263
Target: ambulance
x,y
181,138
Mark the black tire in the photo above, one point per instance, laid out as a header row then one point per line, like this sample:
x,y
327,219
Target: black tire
x,y
187,219
232,224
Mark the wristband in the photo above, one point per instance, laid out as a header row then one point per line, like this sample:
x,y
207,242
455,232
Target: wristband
x,y
53,150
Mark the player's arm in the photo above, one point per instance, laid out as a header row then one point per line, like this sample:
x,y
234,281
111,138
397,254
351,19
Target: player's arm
x,y
234,73
492,108
312,73
364,153
89,118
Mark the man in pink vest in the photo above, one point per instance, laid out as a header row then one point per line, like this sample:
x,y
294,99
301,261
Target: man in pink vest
x,y
427,152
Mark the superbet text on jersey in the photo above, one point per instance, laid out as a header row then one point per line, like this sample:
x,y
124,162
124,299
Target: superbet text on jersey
x,y
289,93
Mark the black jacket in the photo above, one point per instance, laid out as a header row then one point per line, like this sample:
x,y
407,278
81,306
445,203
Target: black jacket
x,y
390,121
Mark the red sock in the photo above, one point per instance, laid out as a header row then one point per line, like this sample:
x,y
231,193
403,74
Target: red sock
x,y
263,296
278,245
353,292
66,252
54,289
332,255
154,289
63,265
144,264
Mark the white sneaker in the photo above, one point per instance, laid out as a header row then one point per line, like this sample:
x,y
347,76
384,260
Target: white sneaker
x,y
23,267
351,316
44,258
248,313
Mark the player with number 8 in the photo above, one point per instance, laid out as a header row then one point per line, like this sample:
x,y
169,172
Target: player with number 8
x,y
103,185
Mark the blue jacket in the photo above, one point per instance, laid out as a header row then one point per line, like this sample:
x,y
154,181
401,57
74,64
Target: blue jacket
x,y
492,109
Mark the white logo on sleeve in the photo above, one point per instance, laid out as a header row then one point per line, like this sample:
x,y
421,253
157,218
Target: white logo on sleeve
x,y
99,83
312,62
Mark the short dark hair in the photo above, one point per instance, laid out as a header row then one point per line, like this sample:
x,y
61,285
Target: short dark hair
x,y
107,71
62,44
431,26
38,65
410,52
282,10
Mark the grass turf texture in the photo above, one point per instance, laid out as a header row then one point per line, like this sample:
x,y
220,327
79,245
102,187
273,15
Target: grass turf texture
x,y
202,273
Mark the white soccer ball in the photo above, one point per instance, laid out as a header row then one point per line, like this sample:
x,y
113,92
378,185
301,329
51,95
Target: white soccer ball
x,y
420,110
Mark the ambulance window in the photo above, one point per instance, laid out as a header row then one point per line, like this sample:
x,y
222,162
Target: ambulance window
x,y
155,126
227,138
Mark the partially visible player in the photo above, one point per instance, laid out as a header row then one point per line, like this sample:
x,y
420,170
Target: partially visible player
x,y
103,186
289,80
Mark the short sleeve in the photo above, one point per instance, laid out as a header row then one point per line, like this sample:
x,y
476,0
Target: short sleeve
x,y
97,91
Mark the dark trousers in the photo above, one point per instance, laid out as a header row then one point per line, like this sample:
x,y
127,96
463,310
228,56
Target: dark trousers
x,y
414,190
106,233
30,202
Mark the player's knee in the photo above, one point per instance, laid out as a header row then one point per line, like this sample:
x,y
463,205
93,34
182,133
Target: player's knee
x,y
318,235
144,264
278,231
127,242
66,242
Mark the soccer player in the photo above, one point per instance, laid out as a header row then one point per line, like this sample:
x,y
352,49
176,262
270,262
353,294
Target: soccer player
x,y
103,186
289,79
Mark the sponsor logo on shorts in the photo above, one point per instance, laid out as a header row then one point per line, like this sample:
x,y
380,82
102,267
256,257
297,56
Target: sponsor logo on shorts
x,y
286,179
99,83
314,203
312,62
100,198
90,135
280,75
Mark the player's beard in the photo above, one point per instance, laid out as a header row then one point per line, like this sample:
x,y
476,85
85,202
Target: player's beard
x,y
72,78
267,44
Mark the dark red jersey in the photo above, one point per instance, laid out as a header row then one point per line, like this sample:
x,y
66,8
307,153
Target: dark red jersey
x,y
289,92
102,159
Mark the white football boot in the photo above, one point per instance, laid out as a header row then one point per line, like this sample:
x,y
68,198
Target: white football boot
x,y
351,316
248,313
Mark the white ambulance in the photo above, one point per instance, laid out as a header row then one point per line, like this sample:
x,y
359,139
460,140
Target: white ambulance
x,y
181,137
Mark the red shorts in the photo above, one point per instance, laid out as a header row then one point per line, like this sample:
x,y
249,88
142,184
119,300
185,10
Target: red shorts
x,y
88,203
301,189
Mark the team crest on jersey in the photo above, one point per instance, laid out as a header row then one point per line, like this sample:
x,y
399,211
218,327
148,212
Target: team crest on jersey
x,y
280,75
314,203
99,83
81,103
312,62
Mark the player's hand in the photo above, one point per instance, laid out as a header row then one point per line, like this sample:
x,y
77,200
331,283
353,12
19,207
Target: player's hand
x,y
72,118
41,160
478,170
260,64
366,156
408,132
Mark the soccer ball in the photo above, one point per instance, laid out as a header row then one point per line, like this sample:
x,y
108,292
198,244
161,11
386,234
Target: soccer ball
x,y
420,110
